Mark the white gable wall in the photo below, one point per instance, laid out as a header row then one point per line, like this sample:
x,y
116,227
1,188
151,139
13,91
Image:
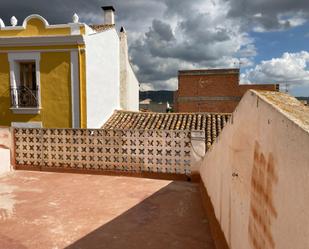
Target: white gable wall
x,y
133,90
102,74
129,85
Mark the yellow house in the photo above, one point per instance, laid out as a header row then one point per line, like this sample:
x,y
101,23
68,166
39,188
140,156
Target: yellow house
x,y
64,76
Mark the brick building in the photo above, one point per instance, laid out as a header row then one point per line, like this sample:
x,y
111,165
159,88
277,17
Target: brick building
x,y
212,90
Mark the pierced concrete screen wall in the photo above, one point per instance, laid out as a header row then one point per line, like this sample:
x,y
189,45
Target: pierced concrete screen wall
x,y
116,150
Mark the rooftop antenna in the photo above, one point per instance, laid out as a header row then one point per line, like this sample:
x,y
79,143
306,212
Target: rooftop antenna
x,y
287,85
239,62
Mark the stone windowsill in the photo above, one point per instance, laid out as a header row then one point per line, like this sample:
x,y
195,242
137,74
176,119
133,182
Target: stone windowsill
x,y
26,110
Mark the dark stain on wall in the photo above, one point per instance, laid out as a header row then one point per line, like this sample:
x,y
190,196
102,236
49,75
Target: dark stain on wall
x,y
4,147
262,209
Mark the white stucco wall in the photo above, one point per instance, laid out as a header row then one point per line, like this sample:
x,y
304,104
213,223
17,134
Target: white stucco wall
x,y
133,90
129,85
5,153
102,75
257,174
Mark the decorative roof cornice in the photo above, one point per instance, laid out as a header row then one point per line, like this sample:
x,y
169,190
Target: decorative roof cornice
x,y
41,40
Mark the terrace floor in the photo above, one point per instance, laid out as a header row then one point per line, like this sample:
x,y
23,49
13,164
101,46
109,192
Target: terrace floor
x,y
54,210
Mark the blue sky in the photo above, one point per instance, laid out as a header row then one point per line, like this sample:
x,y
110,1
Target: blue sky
x,y
273,44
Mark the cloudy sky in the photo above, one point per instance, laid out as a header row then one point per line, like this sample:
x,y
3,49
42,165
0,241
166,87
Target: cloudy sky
x,y
268,39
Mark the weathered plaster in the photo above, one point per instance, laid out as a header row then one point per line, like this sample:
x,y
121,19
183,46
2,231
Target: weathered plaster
x,y
257,173
289,106
89,211
129,85
7,201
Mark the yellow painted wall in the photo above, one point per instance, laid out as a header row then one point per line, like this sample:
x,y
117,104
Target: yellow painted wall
x,y
82,30
55,92
35,27
55,78
56,89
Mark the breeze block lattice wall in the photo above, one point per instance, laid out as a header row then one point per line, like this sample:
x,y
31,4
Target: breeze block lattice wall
x,y
115,150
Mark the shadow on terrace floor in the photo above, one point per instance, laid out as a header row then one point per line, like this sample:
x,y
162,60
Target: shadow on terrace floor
x,y
173,217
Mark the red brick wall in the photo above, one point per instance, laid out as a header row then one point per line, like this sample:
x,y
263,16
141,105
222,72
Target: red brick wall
x,y
175,102
208,106
212,84
269,87
207,85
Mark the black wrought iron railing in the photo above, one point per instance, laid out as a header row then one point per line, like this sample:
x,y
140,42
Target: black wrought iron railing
x,y
23,96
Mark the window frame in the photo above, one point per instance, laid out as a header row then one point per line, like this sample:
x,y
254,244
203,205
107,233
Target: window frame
x,y
14,59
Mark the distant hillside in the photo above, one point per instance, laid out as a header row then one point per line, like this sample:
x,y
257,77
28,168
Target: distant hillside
x,y
303,98
157,96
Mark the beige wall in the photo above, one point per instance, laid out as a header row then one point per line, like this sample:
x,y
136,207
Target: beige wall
x,y
198,149
257,174
5,145
129,85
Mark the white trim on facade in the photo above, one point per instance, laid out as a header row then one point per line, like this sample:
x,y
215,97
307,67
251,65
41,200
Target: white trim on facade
x,y
14,59
25,22
75,90
41,50
36,16
22,110
27,124
24,56
75,28
2,25
41,40
13,28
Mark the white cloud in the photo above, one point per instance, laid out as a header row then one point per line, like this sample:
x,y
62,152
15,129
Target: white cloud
x,y
291,68
146,87
206,38
169,85
274,15
283,22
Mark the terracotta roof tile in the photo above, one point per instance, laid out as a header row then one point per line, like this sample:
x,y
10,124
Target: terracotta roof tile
x,y
101,27
212,123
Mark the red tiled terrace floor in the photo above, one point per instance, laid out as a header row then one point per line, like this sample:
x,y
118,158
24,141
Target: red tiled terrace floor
x,y
53,210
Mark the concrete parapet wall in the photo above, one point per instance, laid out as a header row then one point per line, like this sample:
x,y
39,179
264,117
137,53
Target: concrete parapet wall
x,y
256,174
5,149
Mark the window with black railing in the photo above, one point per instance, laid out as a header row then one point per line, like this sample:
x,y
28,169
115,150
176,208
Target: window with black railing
x,y
23,96
26,93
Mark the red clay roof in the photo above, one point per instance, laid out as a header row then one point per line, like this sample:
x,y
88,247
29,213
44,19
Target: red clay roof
x,y
210,123
165,121
101,27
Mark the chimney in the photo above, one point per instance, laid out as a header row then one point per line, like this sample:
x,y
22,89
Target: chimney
x,y
109,15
